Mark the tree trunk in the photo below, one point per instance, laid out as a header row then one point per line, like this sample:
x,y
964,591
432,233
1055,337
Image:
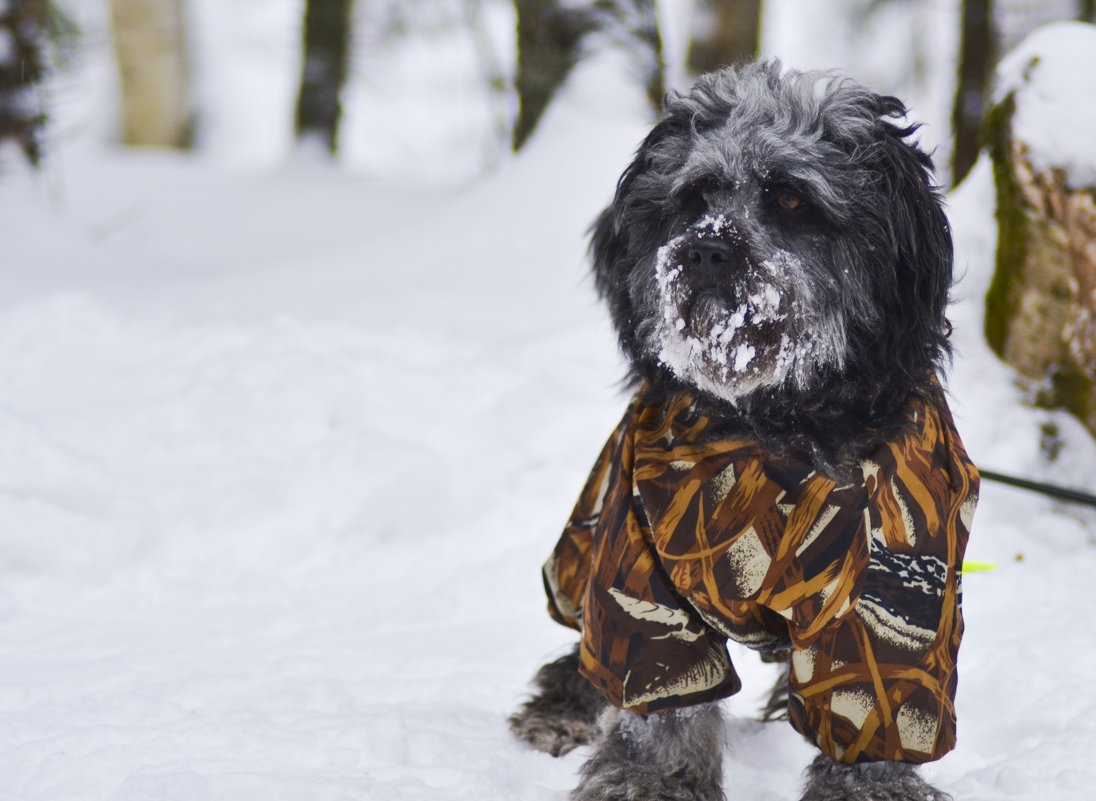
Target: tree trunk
x,y
651,42
150,48
550,39
724,32
548,42
21,66
326,49
976,58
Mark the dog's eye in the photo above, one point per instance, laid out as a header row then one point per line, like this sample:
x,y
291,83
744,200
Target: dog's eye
x,y
789,201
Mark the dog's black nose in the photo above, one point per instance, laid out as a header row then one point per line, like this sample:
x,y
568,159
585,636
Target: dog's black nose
x,y
710,254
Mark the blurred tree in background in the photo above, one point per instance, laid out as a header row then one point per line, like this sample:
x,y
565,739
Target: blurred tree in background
x,y
552,36
22,67
724,32
519,52
326,52
977,57
549,36
150,47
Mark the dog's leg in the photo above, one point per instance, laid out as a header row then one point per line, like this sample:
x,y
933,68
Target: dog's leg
x,y
869,781
564,712
672,756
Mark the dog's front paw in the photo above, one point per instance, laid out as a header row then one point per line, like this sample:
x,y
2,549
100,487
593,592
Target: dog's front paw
x,y
564,713
555,728
673,756
605,780
873,781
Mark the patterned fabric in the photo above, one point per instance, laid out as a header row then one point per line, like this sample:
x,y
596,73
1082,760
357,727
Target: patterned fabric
x,y
680,541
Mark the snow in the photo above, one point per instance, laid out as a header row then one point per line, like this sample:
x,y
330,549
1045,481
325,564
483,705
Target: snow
x,y
1052,74
284,451
245,62
743,355
8,47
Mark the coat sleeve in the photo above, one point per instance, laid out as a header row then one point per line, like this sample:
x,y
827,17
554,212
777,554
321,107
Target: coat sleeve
x,y
567,571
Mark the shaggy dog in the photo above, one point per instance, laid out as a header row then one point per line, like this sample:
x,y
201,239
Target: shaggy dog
x,y
777,265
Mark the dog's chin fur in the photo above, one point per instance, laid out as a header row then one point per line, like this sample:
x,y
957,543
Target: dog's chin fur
x,y
820,320
766,329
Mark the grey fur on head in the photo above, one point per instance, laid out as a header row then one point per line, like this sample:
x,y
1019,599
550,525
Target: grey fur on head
x,y
777,244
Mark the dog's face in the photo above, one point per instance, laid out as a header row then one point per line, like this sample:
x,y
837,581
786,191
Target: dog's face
x,y
777,234
736,302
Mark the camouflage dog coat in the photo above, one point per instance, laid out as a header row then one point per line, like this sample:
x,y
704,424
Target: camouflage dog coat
x,y
680,540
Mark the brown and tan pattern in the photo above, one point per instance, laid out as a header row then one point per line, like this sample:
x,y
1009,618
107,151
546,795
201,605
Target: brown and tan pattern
x,y
679,542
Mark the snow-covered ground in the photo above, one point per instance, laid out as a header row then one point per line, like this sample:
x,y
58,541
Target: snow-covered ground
x,y
283,453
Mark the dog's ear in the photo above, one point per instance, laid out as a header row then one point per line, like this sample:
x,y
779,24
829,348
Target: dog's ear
x,y
918,229
627,229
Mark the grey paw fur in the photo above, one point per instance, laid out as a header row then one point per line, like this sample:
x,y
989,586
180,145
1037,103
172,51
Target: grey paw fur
x,y
872,781
672,756
563,714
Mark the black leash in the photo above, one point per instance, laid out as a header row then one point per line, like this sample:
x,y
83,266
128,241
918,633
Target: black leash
x,y
1062,493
